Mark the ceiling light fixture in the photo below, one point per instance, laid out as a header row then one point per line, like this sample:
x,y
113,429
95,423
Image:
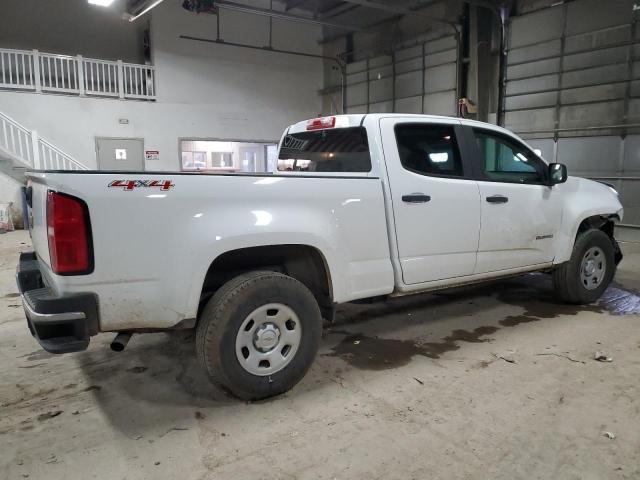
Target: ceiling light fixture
x,y
101,3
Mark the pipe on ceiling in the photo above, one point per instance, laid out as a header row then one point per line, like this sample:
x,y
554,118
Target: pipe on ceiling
x,y
145,10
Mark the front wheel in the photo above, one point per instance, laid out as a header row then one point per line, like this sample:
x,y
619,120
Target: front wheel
x,y
587,274
259,334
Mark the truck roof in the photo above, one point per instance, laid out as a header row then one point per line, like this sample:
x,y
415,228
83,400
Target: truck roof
x,y
353,120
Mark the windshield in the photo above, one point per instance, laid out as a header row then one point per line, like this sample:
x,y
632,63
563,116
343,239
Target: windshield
x,y
332,150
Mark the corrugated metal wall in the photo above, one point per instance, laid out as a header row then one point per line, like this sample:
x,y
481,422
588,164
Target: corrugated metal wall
x,y
419,79
573,90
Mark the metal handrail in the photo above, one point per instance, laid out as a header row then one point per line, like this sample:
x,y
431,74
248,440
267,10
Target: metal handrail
x,y
49,72
65,157
14,123
28,148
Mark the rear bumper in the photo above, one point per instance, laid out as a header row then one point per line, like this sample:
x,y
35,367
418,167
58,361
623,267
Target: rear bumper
x,y
61,324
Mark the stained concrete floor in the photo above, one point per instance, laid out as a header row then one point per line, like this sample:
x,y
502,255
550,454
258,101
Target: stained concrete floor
x,y
487,382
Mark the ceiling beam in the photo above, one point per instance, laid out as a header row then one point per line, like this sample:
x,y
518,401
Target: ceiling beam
x,y
485,4
398,10
400,14
290,5
238,7
137,8
339,10
371,27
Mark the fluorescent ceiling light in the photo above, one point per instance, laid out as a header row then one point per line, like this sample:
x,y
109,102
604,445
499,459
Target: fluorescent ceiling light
x,y
101,3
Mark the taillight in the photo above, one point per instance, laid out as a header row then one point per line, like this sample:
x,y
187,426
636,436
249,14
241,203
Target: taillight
x,y
320,123
69,234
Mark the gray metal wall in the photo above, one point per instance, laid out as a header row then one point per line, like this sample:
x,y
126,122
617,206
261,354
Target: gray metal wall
x,y
573,90
419,79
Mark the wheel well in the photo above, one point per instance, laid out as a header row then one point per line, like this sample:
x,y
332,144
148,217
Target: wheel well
x,y
302,262
606,223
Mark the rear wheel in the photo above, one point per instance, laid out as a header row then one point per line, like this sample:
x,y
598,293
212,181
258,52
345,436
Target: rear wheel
x,y
587,274
259,334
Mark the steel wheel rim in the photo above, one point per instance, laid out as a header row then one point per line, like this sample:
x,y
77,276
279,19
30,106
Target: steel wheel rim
x,y
268,339
593,268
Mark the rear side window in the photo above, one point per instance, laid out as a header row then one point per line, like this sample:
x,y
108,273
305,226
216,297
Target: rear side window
x,y
331,150
429,149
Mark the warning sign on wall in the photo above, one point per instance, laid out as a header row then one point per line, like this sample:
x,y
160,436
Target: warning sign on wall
x,y
152,155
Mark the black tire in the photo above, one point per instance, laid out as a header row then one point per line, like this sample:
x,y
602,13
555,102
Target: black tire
x,y
224,315
566,277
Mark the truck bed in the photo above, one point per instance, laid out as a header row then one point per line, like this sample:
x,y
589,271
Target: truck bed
x,y
155,234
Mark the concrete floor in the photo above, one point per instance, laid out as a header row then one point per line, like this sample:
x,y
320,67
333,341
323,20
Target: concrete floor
x,y
489,382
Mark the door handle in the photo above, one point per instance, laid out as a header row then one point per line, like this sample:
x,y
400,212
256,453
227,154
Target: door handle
x,y
497,199
416,198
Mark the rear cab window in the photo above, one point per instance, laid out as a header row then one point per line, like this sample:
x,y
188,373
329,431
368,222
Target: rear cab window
x,y
429,149
327,150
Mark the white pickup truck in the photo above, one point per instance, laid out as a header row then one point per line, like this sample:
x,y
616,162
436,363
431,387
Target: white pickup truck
x,y
362,206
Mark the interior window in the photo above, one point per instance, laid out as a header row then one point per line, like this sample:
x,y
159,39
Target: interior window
x,y
429,149
219,156
506,161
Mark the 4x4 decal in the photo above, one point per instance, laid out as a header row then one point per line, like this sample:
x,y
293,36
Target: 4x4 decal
x,y
129,185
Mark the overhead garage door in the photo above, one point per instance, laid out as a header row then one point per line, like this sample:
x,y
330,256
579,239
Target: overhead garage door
x,y
573,89
419,79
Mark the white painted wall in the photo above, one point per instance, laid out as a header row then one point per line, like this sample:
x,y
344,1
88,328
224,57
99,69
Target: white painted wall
x,y
204,90
252,94
72,124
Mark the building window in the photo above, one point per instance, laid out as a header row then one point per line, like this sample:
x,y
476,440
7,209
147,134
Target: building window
x,y
194,160
215,156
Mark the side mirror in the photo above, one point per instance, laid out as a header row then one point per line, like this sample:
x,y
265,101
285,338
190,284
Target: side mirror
x,y
557,173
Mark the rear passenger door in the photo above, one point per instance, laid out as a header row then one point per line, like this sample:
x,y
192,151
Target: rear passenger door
x,y
520,214
435,201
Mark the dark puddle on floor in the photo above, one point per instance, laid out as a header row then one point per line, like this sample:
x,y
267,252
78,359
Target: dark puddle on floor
x,y
374,353
533,293
535,296
538,299
514,320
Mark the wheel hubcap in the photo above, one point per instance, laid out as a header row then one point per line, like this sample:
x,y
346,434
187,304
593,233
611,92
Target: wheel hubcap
x,y
593,268
268,339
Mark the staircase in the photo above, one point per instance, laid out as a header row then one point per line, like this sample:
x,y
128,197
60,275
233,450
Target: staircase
x,y
22,149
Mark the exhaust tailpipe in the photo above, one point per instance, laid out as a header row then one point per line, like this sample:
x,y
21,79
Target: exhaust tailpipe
x,y
120,342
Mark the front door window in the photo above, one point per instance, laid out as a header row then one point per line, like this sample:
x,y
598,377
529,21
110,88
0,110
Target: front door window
x,y
505,160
